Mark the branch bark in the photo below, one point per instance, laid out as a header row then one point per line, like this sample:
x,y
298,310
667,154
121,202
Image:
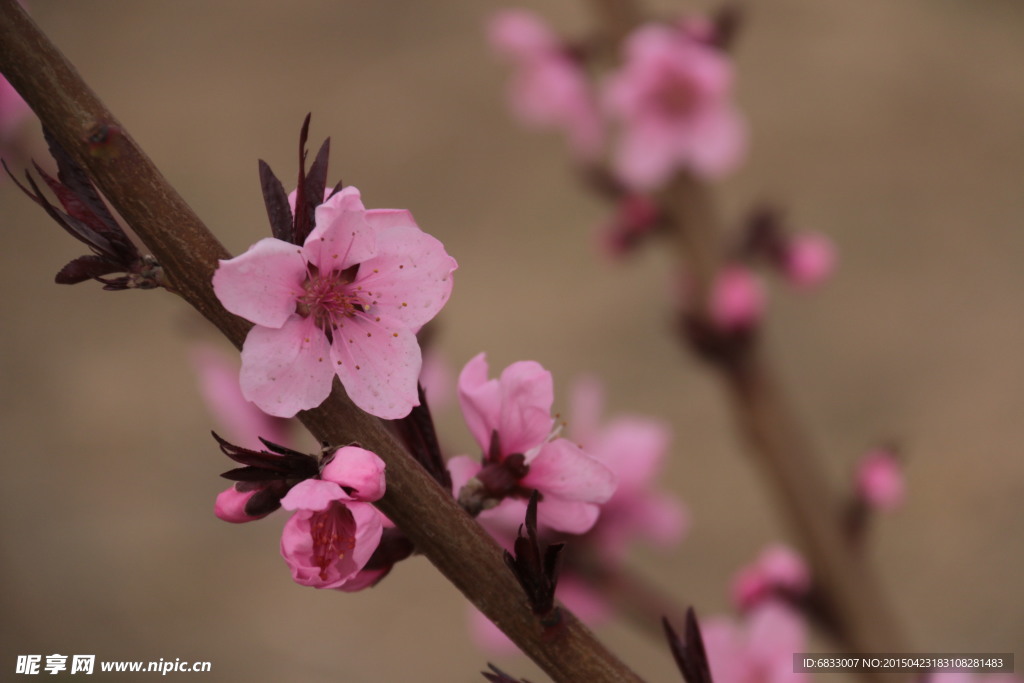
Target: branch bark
x,y
188,252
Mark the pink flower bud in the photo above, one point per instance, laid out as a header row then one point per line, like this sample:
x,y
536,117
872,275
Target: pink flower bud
x,y
880,481
809,260
635,217
230,505
737,299
778,569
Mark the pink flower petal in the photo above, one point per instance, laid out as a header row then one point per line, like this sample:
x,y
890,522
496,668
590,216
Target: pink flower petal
x,y
462,468
286,370
262,284
313,494
244,422
571,517
359,469
410,278
719,143
520,34
563,469
518,405
341,238
379,367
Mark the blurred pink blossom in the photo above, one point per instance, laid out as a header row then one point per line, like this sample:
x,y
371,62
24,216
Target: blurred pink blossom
x,y
13,112
634,449
510,418
757,650
577,597
335,529
347,303
737,299
880,481
549,88
673,97
243,422
778,569
808,260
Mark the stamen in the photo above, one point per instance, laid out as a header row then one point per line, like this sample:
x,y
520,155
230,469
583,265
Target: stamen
x,y
331,540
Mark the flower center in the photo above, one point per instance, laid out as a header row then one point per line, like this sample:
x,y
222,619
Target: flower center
x,y
332,534
677,97
329,298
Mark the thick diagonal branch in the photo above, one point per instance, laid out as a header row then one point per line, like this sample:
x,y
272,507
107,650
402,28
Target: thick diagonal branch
x,y
187,250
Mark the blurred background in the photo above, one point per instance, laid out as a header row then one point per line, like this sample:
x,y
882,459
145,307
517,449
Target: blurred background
x,y
894,128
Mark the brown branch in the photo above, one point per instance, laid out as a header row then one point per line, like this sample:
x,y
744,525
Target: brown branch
x,y
187,250
864,618
804,492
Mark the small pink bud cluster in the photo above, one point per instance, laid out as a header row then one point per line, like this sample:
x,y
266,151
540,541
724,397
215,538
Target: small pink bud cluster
x,y
334,531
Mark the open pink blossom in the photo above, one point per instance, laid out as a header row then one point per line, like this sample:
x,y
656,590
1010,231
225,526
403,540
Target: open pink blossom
x,y
808,260
880,481
759,650
633,448
510,418
549,88
347,303
777,570
673,96
335,529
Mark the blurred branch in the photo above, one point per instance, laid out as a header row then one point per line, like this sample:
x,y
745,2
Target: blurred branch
x,y
813,507
815,511
187,250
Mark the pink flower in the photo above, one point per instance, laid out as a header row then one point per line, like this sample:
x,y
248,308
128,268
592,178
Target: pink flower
x,y
760,650
808,260
335,529
880,481
737,299
633,448
347,303
673,98
510,418
777,570
549,88
241,420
